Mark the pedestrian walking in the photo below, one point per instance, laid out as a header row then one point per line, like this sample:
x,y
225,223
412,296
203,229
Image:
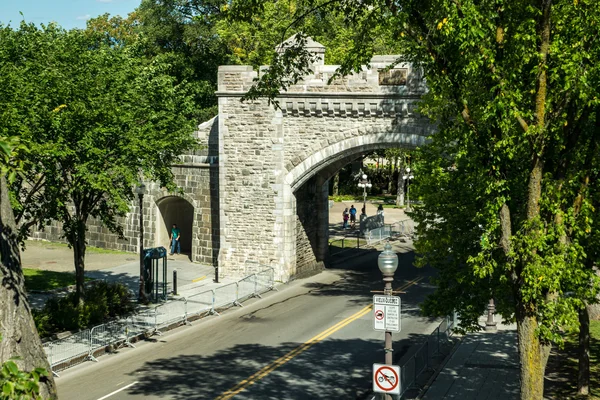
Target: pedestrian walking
x,y
380,210
174,238
352,216
345,217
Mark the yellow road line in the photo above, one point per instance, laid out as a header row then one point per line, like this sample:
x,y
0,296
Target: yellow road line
x,y
300,349
198,279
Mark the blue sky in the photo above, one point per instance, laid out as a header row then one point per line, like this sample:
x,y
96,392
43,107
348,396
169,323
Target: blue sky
x,y
67,13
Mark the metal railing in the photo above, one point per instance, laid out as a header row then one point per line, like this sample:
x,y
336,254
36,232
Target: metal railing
x,y
399,228
422,359
87,344
348,241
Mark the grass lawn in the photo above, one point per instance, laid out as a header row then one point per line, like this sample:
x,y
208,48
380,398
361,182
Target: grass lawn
x,y
36,279
561,373
88,249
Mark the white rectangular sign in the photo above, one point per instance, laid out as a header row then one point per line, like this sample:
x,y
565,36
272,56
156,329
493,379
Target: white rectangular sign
x,y
386,378
386,313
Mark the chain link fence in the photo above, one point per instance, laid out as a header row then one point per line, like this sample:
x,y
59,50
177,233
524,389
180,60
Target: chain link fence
x,y
89,343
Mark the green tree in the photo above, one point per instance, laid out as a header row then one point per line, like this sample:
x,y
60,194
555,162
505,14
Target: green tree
x,y
96,116
185,31
506,204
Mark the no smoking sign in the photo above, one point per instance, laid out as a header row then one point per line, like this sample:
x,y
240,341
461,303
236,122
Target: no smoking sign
x,y
386,378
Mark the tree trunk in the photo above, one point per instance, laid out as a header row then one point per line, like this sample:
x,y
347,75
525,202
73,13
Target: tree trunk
x,y
19,335
400,191
336,184
79,260
583,379
533,359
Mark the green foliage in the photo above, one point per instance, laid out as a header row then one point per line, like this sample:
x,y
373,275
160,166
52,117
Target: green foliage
x,y
40,280
19,385
510,183
103,301
95,114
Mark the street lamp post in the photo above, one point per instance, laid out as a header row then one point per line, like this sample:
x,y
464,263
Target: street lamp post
x,y
388,263
141,191
408,177
364,184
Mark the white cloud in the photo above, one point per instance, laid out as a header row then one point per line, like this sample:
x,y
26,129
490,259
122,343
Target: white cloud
x,y
83,17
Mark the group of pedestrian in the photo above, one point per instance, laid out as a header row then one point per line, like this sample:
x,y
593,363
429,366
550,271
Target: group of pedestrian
x,y
349,214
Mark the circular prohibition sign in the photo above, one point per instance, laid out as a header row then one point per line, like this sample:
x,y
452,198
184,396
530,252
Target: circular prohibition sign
x,y
386,381
379,315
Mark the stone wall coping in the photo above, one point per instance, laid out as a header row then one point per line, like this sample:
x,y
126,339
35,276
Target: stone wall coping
x,y
194,165
236,68
331,95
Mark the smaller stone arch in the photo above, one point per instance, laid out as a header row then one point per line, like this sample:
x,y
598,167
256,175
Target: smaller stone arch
x,y
174,209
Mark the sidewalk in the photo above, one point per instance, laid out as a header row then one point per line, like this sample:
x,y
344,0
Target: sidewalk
x,y
484,367
115,267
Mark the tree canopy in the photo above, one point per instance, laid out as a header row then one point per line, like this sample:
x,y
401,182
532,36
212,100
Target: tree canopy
x,y
96,117
510,189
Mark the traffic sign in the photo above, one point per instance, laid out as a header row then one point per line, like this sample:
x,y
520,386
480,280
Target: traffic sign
x,y
386,378
386,312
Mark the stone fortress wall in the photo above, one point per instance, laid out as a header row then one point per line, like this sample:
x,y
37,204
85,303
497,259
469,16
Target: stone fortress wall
x,y
275,163
258,189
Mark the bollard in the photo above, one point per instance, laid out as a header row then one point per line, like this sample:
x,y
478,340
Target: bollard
x,y
174,281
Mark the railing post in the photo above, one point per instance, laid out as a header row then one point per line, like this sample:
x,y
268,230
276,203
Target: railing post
x,y
256,286
175,282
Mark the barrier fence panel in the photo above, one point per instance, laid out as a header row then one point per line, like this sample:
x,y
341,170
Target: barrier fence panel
x,y
69,351
169,313
100,336
80,346
225,295
141,322
200,303
265,280
246,287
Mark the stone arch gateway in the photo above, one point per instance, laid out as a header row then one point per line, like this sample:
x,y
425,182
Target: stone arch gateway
x,y
274,163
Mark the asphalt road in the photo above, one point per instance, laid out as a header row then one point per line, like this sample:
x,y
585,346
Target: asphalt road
x,y
313,339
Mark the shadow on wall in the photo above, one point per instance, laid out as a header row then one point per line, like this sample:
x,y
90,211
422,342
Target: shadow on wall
x,y
175,210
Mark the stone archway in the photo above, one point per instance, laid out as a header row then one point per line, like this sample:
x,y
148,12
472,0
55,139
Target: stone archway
x,y
274,162
175,210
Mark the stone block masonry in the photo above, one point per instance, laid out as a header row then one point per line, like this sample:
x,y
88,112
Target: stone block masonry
x,y
199,193
274,163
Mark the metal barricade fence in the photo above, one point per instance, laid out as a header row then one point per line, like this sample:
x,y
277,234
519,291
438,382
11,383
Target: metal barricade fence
x,y
69,351
170,313
201,303
82,346
141,322
225,295
246,288
265,281
101,336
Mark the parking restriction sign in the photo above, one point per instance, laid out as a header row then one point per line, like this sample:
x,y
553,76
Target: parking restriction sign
x,y
386,313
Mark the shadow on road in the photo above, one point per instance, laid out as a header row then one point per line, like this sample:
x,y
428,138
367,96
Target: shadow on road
x,y
327,371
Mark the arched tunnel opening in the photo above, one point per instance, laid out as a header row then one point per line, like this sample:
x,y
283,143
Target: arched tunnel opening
x,y
314,222
175,210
